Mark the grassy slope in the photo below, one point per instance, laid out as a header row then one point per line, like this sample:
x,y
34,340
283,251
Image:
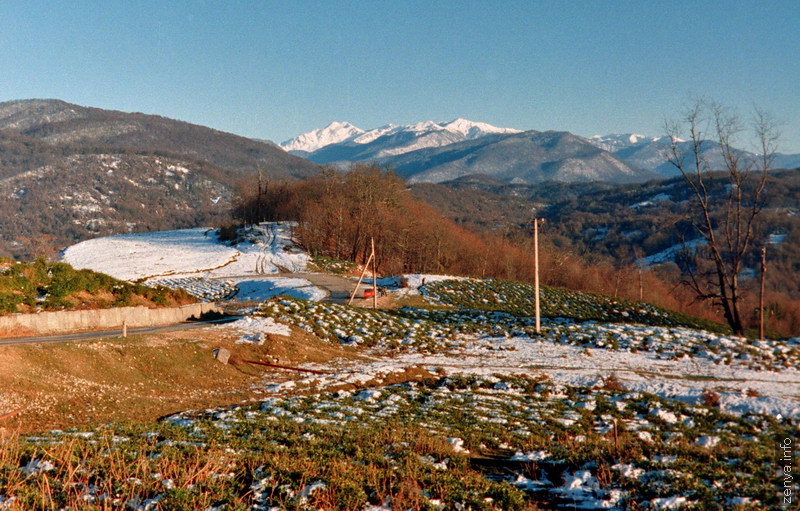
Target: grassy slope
x,y
390,443
30,287
354,450
77,384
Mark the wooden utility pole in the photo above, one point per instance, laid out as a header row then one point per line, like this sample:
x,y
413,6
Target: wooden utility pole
x,y
761,297
374,275
641,287
536,271
370,259
363,271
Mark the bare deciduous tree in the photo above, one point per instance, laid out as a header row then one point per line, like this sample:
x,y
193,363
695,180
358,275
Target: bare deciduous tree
x,y
725,205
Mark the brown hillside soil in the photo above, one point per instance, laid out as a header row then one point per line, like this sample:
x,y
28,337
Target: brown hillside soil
x,y
46,386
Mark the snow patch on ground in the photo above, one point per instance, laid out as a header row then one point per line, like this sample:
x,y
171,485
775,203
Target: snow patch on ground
x,y
669,254
413,282
267,249
260,289
258,326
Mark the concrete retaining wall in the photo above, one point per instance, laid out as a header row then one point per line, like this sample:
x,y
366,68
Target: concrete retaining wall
x,y
101,319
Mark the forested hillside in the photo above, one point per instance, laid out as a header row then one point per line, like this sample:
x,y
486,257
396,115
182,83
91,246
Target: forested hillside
x,y
633,224
339,212
69,173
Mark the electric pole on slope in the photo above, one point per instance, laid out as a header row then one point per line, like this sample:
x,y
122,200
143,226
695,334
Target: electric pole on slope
x,y
374,275
535,223
761,296
371,259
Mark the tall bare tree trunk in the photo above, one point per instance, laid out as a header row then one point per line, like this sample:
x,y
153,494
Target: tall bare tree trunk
x,y
725,224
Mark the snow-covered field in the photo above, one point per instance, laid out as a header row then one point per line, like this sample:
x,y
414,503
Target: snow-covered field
x,y
195,260
185,252
741,390
674,363
267,249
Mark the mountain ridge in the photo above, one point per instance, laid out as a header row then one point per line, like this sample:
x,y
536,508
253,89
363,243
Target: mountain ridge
x,y
60,123
411,147
68,173
343,132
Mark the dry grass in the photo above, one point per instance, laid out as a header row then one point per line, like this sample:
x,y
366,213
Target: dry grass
x,y
140,378
613,383
711,398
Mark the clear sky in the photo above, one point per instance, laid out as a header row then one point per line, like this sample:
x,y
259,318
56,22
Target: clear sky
x,y
275,69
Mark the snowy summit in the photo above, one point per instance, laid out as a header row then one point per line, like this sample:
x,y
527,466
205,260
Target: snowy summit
x,y
333,133
344,132
615,141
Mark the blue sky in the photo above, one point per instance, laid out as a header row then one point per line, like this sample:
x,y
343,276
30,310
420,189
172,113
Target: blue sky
x,y
276,69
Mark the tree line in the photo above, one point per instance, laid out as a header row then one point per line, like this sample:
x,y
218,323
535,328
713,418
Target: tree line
x,y
337,213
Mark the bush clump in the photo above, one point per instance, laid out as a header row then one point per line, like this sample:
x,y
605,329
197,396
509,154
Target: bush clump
x,y
41,285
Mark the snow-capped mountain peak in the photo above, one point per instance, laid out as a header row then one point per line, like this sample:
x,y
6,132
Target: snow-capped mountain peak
x,y
343,132
333,133
472,129
369,136
421,127
615,141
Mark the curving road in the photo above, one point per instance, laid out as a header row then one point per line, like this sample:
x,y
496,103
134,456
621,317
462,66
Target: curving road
x,y
338,289
84,336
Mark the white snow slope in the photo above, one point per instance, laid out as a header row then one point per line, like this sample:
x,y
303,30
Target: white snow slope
x,y
168,256
333,133
340,132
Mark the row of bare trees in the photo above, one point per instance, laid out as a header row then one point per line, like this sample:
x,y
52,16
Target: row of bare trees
x,y
338,213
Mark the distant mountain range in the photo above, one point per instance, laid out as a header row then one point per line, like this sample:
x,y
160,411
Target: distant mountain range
x,y
438,152
403,138
650,153
69,173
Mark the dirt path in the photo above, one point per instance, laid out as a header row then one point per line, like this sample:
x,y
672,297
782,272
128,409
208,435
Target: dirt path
x,y
338,288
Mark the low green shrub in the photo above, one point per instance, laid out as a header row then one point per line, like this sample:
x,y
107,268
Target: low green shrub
x,y
54,286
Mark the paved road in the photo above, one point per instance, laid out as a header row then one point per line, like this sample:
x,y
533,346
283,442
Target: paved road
x,y
338,289
84,336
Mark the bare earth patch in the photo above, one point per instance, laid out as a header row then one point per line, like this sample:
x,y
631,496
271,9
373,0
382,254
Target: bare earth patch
x,y
46,386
